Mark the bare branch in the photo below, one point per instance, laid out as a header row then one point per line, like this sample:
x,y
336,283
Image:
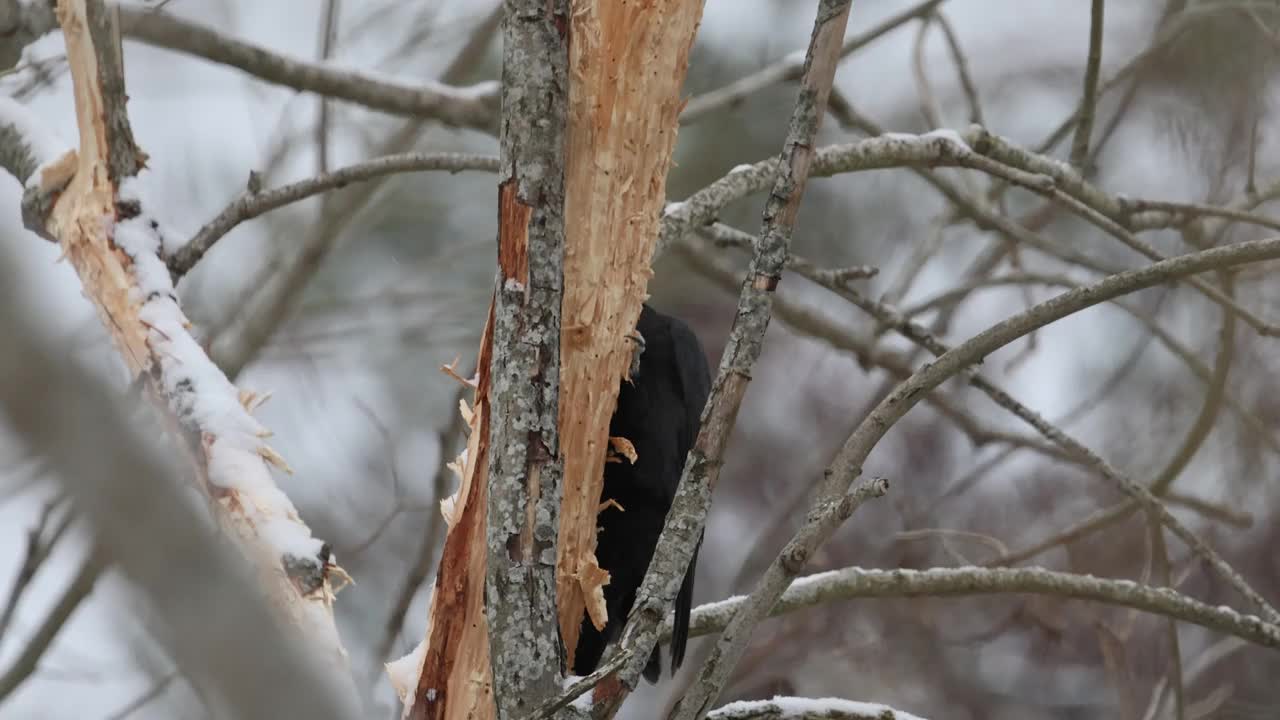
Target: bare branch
x,y
255,201
847,465
1088,106
795,708
222,628
962,68
34,649
702,468
473,107
936,149
823,520
112,241
155,691
40,545
855,583
790,68
283,285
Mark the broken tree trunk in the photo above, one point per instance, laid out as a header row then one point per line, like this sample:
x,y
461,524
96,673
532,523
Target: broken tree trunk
x,y
627,64
625,67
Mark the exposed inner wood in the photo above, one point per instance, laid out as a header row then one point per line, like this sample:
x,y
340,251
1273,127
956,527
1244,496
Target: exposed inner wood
x,y
627,64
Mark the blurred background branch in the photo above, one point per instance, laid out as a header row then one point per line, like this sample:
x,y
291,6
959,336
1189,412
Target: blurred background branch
x,y
1154,122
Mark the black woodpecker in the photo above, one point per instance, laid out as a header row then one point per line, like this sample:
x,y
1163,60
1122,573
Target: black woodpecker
x,y
658,412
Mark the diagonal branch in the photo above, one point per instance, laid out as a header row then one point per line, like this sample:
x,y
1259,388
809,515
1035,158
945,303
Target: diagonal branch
x,y
36,646
472,107
859,583
791,67
702,468
112,241
221,628
847,465
255,201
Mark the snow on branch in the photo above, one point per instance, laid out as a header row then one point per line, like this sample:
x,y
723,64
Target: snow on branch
x,y
797,708
855,583
109,235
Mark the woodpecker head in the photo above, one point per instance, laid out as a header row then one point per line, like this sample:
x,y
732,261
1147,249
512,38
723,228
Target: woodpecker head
x,y
638,341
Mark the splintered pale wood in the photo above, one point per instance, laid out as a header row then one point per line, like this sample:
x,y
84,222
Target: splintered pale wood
x,y
84,221
78,220
627,65
456,679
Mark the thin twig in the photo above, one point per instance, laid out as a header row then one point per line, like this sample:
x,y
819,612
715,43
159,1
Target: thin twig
x,y
155,691
823,520
255,201
929,108
956,360
29,658
1196,435
39,547
278,286
962,68
789,68
581,686
328,36
687,517
1089,105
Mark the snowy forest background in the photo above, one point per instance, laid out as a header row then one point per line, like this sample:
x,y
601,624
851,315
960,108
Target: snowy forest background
x,y
388,280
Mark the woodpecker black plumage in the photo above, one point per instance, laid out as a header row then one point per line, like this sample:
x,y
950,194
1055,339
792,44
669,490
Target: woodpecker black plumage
x,y
658,412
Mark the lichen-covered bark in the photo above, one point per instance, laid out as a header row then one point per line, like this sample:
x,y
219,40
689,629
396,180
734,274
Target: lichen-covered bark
x,y
627,61
524,449
492,647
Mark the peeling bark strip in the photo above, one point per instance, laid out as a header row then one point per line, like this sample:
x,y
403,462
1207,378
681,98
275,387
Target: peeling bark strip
x,y
524,448
111,239
628,62
513,230
755,303
453,681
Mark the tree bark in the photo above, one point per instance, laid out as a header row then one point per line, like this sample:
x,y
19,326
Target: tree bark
x,y
579,209
524,450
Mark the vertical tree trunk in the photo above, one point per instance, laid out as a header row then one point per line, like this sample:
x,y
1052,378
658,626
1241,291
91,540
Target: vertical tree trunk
x,y
591,99
524,452
492,645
